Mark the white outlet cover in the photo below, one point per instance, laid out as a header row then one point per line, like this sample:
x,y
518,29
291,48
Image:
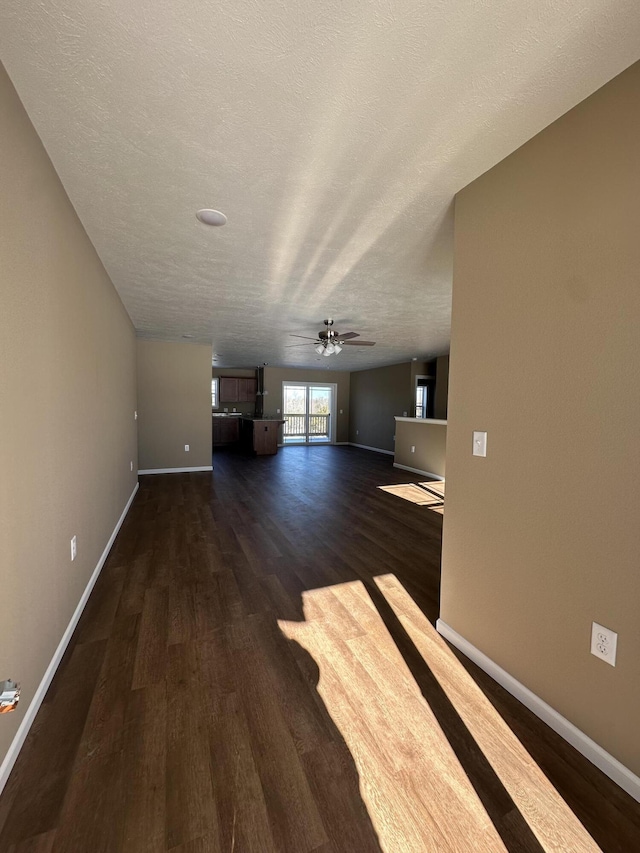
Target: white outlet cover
x,y
135,416
74,548
604,643
186,447
131,465
413,448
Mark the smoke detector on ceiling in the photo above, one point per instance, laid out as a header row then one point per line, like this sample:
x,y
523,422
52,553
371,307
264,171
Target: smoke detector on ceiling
x,y
211,217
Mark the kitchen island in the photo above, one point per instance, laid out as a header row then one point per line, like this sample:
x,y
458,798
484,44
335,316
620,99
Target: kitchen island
x,y
260,435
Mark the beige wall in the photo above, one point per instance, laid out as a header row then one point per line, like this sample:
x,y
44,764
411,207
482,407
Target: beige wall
x,y
377,396
174,405
429,440
542,537
67,398
275,376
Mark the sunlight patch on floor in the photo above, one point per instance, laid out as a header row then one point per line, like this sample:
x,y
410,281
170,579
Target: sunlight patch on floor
x,y
415,788
429,494
554,824
410,778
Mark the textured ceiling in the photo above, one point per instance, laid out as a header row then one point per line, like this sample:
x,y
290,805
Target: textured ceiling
x,y
332,134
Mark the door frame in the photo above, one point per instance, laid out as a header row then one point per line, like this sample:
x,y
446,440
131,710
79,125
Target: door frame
x,y
333,403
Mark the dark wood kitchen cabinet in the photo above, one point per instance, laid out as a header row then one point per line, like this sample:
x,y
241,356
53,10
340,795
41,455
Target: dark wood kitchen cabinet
x,y
225,430
238,389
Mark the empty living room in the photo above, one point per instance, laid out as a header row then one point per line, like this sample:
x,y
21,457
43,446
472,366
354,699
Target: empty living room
x,y
319,407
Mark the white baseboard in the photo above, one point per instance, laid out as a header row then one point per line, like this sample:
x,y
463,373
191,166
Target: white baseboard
x,y
340,443
609,765
175,470
375,449
418,471
16,745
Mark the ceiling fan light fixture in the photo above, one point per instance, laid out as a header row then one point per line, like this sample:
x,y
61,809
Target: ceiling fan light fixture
x,y
326,352
337,348
319,349
330,348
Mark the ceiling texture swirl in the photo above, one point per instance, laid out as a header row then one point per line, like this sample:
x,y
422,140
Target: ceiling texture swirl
x,y
332,135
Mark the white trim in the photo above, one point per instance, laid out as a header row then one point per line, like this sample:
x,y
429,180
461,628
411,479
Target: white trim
x,y
418,471
16,745
375,449
339,443
609,765
175,470
421,420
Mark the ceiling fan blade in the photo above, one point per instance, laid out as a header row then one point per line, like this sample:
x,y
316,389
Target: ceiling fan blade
x,y
359,343
348,335
303,336
288,346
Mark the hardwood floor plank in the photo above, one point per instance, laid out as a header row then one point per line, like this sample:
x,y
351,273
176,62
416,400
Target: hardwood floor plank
x,y
242,810
48,762
151,653
37,844
294,818
91,817
103,731
144,770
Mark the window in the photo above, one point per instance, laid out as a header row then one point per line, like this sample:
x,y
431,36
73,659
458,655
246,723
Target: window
x,y
214,393
422,401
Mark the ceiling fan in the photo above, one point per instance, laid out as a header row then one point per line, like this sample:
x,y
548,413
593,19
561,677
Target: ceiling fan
x,y
330,342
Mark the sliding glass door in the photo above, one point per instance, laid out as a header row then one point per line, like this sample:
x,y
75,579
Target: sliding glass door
x,y
308,413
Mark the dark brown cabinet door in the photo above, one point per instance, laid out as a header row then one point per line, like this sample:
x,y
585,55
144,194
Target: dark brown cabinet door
x,y
242,390
252,387
229,389
226,430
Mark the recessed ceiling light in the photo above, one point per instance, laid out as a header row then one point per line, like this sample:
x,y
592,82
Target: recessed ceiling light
x,y
211,217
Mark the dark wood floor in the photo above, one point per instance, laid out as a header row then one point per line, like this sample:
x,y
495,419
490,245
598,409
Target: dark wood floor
x,y
257,670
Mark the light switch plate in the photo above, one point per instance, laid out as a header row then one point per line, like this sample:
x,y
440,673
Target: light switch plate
x,y
479,443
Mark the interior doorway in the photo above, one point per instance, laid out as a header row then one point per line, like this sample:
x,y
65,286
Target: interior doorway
x,y
308,411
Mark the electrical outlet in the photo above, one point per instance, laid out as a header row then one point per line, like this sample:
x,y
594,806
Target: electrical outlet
x,y
341,411
404,414
604,643
74,548
131,465
135,415
357,432
413,448
186,447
